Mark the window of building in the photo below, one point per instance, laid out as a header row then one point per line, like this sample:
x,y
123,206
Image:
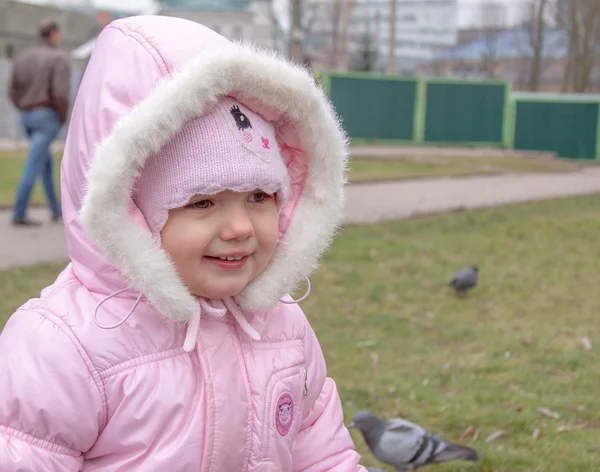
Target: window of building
x,y
407,18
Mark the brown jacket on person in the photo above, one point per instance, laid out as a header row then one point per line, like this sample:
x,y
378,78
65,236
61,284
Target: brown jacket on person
x,y
41,78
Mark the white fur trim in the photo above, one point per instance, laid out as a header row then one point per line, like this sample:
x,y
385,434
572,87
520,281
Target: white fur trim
x,y
116,164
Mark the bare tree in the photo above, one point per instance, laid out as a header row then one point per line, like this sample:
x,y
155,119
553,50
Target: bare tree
x,y
365,57
345,22
318,26
391,65
533,39
493,17
297,32
340,13
311,14
581,20
334,54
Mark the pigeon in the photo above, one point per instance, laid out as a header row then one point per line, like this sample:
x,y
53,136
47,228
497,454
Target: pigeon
x,y
405,445
465,279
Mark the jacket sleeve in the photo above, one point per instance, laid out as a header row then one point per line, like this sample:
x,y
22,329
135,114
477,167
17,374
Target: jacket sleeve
x,y
12,88
51,408
323,442
60,84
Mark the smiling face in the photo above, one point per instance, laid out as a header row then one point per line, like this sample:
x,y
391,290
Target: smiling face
x,y
285,413
219,243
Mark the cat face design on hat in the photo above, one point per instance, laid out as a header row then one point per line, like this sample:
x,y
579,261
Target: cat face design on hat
x,y
229,147
260,140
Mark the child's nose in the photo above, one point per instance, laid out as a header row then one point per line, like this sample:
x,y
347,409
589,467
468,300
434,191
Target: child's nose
x,y
237,225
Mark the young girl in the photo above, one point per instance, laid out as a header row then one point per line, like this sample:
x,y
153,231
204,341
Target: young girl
x,y
201,182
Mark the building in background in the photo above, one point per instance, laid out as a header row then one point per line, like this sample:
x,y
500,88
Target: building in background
x,y
81,23
507,56
251,20
424,28
19,24
341,31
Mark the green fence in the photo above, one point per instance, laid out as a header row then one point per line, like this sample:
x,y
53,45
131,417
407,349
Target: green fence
x,y
566,125
382,109
388,109
414,111
467,113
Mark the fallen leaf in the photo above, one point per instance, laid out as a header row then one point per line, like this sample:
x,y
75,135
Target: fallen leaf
x,y
548,412
375,359
366,343
536,434
593,424
571,427
373,252
517,389
517,408
577,408
507,354
587,344
495,435
392,390
527,341
467,433
447,365
428,315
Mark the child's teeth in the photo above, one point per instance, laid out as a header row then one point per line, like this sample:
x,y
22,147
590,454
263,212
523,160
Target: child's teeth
x,y
231,258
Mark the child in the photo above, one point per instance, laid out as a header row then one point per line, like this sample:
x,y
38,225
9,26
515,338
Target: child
x,y
201,182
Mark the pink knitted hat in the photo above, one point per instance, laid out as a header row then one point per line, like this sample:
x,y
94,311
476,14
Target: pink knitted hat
x,y
228,148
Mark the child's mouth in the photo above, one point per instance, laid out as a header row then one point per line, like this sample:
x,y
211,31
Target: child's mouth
x,y
228,262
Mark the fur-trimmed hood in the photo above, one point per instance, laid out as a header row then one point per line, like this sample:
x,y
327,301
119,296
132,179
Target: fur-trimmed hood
x,y
146,78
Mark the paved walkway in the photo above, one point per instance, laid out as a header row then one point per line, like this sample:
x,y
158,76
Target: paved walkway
x,y
366,203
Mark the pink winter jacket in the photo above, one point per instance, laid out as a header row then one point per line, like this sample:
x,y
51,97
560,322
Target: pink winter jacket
x,y
174,388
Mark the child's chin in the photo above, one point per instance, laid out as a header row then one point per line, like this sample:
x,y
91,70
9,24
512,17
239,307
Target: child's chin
x,y
218,293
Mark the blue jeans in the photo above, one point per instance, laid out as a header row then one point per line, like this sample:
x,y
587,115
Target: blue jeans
x,y
42,126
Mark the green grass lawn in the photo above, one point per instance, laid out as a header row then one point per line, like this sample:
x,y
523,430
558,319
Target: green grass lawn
x,y
398,342
11,167
361,170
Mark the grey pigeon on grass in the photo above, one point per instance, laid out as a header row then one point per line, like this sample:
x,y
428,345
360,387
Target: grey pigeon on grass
x,y
405,445
465,279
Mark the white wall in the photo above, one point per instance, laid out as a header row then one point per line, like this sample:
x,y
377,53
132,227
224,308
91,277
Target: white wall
x,y
423,27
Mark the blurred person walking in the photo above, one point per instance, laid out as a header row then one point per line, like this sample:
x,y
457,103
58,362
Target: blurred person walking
x,y
39,88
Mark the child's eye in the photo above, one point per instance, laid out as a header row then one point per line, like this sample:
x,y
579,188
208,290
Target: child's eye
x,y
200,204
258,197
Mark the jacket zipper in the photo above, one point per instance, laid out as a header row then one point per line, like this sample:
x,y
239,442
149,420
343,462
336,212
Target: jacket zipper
x,y
305,383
